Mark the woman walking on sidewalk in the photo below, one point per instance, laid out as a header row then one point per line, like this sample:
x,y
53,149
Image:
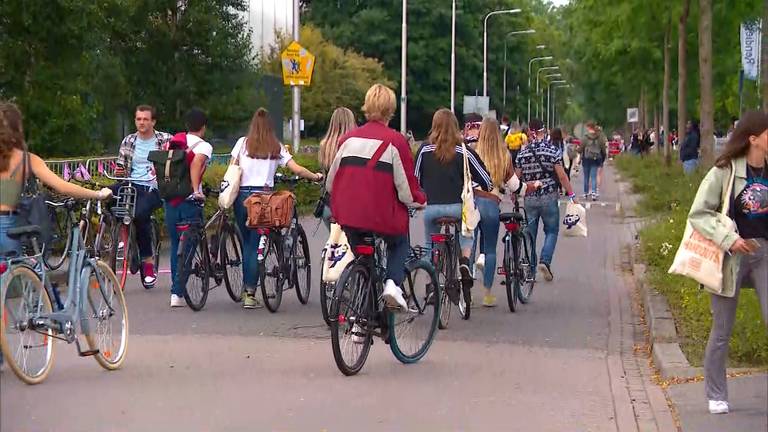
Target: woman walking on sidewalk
x,y
746,263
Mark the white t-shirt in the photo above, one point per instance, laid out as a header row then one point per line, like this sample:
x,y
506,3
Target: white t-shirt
x,y
200,146
258,172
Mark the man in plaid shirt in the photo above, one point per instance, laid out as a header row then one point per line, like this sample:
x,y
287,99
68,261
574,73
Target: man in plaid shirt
x,y
132,162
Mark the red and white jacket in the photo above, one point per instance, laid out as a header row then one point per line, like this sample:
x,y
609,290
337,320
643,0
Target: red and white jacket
x,y
371,181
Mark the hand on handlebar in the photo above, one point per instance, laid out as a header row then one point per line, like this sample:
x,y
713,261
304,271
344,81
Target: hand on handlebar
x,y
104,194
319,177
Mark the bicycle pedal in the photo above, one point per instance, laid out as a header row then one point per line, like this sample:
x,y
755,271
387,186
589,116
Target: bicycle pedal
x,y
88,353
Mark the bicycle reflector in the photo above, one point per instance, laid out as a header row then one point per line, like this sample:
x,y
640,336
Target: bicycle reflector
x,y
438,238
512,226
364,250
3,266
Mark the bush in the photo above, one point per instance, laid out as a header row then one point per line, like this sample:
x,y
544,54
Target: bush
x,y
667,195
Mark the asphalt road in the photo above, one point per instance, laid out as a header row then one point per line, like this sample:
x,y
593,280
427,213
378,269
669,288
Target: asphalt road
x,y
551,366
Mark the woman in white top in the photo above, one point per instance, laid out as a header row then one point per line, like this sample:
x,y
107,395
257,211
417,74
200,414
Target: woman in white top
x,y
259,155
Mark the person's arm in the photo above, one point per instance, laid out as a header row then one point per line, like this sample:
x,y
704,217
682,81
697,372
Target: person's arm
x,y
478,172
303,172
406,183
122,158
196,171
563,177
703,215
53,181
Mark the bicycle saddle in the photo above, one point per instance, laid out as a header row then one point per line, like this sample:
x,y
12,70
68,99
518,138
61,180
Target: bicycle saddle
x,y
447,221
509,217
17,233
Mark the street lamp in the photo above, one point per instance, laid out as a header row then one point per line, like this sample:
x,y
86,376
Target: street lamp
x,y
554,98
403,64
530,63
545,68
521,32
453,53
549,97
485,44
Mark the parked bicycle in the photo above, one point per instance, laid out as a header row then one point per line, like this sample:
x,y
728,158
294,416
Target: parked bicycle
x,y
125,256
446,252
94,307
210,251
358,311
518,270
284,260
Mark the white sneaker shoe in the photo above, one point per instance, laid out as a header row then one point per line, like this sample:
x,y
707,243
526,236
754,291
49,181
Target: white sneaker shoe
x,y
393,296
480,262
718,407
177,301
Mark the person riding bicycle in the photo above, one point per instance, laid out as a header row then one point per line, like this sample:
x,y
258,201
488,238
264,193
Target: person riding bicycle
x,y
259,154
132,162
179,210
372,185
440,171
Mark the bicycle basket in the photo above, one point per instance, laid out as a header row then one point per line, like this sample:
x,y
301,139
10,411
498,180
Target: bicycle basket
x,y
126,202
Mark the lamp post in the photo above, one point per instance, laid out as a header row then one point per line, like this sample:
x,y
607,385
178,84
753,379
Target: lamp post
x,y
453,54
549,97
296,90
504,97
554,105
545,68
485,44
530,63
403,65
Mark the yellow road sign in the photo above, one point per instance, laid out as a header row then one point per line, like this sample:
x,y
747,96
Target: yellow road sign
x,y
298,64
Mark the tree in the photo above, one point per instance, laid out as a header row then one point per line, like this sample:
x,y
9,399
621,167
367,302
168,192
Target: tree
x,y
665,97
705,81
764,57
682,71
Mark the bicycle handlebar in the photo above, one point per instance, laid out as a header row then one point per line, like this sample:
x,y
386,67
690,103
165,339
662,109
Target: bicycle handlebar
x,y
131,179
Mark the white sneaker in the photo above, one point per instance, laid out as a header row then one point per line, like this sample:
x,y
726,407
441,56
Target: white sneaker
x,y
357,334
177,301
718,407
480,262
393,296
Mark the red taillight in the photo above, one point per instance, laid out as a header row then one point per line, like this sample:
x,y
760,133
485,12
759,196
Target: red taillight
x,y
342,319
3,266
512,226
182,228
364,250
262,231
438,238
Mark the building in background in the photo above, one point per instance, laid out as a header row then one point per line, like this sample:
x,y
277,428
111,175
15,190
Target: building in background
x,y
267,17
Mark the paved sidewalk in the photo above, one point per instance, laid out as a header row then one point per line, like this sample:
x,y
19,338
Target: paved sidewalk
x,y
748,399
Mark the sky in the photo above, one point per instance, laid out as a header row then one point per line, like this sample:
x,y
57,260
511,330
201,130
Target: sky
x,y
560,2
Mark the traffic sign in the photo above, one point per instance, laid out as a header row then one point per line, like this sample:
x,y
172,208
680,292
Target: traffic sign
x,y
633,115
298,64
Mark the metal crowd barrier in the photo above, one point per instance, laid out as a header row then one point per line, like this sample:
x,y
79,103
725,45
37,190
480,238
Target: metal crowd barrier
x,y
99,166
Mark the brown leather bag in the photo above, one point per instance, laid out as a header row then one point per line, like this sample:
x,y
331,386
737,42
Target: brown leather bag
x,y
270,210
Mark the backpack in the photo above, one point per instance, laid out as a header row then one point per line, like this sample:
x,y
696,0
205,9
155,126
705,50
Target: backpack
x,y
174,179
592,149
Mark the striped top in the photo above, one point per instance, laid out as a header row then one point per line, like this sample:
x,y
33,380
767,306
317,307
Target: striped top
x,y
443,182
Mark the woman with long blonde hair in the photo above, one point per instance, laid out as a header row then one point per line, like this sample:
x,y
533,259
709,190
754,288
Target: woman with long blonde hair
x,y
494,154
440,170
259,154
342,121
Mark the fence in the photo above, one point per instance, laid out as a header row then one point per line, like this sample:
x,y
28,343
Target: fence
x,y
85,168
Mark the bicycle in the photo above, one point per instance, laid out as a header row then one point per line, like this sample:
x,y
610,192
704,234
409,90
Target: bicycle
x,y
518,270
446,252
219,257
125,256
93,307
359,312
283,256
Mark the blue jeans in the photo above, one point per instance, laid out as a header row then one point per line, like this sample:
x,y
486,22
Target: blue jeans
x,y
690,165
7,245
436,211
185,212
147,201
397,252
590,175
250,240
489,236
549,213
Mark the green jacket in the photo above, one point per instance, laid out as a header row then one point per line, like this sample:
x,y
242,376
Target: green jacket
x,y
703,218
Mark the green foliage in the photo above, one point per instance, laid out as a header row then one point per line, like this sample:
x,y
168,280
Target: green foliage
x,y
667,196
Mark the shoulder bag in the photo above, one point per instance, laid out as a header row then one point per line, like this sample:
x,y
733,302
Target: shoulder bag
x,y
230,184
470,216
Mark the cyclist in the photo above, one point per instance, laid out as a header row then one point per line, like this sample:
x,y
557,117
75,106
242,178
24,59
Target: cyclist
x,y
132,162
540,166
180,209
371,183
12,149
259,154
440,170
342,121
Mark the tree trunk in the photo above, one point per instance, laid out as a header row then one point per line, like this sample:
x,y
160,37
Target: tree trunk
x,y
764,57
682,72
656,128
665,96
706,108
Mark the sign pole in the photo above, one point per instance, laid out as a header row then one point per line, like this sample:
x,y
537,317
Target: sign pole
x,y
296,90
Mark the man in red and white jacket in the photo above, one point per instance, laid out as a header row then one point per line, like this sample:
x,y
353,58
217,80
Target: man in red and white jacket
x,y
372,185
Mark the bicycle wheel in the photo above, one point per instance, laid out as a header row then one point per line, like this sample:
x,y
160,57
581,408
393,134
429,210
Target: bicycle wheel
x,y
465,299
107,316
120,259
511,271
104,245
270,276
528,271
351,307
326,293
302,267
231,261
29,353
193,272
156,244
411,333
55,250
443,281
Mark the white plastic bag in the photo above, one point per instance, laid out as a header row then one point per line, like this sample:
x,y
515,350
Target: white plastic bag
x,y
230,184
470,216
337,254
575,220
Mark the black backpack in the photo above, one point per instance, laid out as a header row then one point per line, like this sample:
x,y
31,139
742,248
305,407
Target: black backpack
x,y
172,168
